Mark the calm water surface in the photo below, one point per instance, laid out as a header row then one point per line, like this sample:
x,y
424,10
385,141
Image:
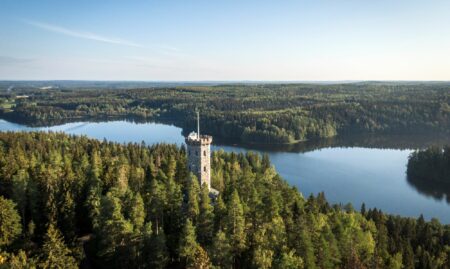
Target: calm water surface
x,y
353,172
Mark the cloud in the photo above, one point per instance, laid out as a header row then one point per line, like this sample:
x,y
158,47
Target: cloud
x,y
81,34
13,60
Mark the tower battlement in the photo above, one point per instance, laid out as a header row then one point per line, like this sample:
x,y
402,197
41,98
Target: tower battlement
x,y
194,139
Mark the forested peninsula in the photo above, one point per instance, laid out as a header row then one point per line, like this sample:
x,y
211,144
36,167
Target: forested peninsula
x,y
429,171
69,201
243,113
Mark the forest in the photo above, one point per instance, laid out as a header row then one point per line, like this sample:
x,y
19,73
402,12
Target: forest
x,y
244,113
70,201
429,171
431,164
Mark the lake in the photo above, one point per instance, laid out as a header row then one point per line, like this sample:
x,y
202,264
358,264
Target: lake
x,y
369,169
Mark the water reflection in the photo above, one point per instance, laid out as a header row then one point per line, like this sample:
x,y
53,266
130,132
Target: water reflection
x,y
378,141
440,191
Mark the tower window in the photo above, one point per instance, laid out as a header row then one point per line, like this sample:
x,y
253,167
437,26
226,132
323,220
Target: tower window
x,y
204,153
196,153
204,168
189,153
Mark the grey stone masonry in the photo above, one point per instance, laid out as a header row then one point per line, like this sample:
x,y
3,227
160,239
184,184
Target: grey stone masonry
x,y
199,157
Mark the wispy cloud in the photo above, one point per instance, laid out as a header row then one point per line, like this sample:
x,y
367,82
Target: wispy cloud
x,y
13,60
82,34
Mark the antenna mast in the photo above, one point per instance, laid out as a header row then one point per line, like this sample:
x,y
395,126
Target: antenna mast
x,y
198,124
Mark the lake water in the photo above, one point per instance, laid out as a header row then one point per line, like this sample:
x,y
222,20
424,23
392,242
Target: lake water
x,y
361,169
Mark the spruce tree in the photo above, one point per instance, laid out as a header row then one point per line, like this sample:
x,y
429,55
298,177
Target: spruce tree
x,y
205,223
10,224
221,255
137,214
236,225
193,192
54,253
201,260
154,253
188,244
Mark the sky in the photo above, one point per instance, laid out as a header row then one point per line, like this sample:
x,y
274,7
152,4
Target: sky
x,y
225,40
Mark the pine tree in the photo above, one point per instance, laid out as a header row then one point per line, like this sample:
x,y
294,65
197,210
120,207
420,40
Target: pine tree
x,y
306,248
54,252
221,250
171,168
173,214
94,186
19,192
220,211
115,230
156,201
154,253
137,214
201,260
193,192
236,224
262,253
10,224
205,223
289,260
188,244
20,261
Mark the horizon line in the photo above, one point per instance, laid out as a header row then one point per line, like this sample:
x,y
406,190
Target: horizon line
x,y
221,81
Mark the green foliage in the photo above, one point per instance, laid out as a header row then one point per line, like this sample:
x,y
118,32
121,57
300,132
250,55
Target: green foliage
x,y
221,250
193,191
430,165
17,261
188,244
289,261
83,202
55,253
262,113
236,224
429,171
10,225
205,222
155,254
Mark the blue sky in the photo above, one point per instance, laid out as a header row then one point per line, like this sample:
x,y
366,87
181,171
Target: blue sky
x,y
225,40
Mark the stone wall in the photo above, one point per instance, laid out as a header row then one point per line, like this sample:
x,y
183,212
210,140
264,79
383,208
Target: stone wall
x,y
199,158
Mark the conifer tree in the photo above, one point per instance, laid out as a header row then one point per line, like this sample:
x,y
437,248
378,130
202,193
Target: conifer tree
x,y
155,251
115,230
236,225
289,260
193,192
19,192
221,250
20,261
306,249
262,253
173,214
10,224
137,214
156,199
55,253
201,260
220,211
188,244
205,223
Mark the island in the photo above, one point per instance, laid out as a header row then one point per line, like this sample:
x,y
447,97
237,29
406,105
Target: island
x,y
428,171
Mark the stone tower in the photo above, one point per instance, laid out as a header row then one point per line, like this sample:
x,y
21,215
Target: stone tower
x,y
199,155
